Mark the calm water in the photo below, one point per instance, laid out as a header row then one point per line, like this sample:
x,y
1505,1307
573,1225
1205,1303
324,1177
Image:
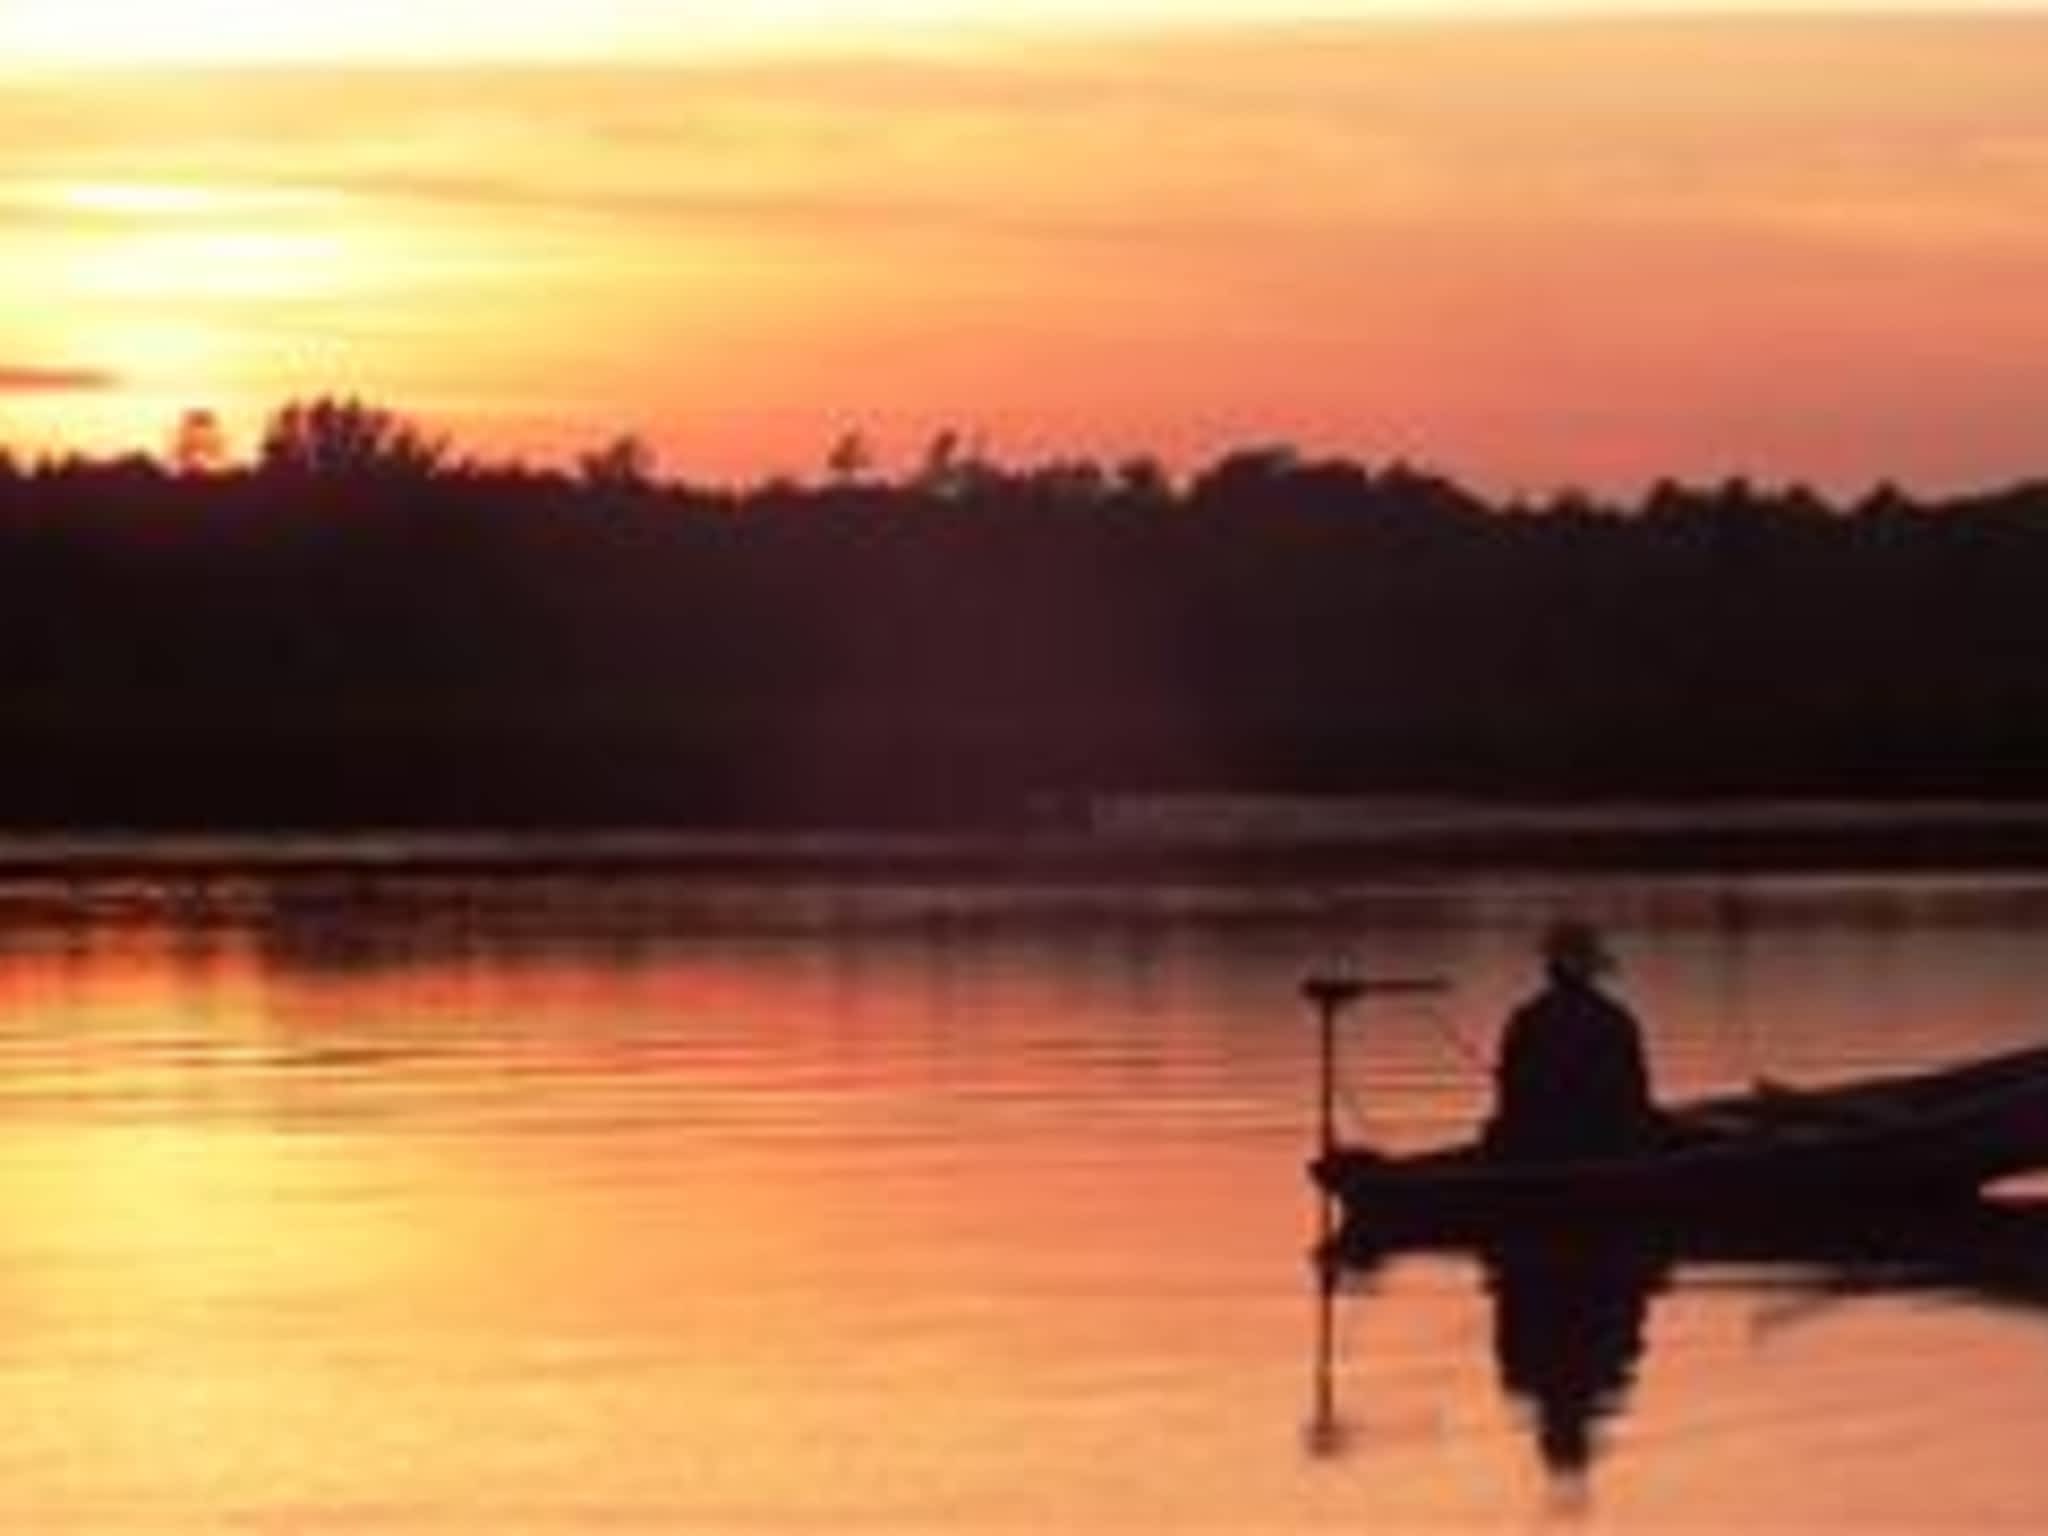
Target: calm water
x,y
407,1203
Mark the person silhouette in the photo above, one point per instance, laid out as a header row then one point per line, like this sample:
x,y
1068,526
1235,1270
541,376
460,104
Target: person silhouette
x,y
1571,1080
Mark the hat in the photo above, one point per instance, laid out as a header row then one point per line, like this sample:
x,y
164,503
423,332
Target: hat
x,y
1573,948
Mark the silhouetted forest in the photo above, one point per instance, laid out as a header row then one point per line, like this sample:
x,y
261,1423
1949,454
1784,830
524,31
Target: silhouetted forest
x,y
364,628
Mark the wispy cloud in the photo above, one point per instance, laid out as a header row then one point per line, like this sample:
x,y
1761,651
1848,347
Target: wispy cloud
x,y
38,379
1566,247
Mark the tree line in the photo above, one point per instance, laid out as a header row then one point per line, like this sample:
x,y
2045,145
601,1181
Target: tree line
x,y
364,627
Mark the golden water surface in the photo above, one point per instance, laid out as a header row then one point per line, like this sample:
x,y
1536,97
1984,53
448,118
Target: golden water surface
x,y
392,1201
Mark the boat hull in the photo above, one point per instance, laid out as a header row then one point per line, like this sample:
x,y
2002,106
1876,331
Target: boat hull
x,y
1925,1140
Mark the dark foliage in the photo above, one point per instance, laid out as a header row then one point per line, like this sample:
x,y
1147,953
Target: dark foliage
x,y
363,629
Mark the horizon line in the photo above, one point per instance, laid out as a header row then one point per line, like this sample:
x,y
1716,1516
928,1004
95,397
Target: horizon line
x,y
974,447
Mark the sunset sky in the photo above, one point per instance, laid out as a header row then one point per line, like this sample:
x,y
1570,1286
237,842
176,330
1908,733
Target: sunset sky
x,y
1530,248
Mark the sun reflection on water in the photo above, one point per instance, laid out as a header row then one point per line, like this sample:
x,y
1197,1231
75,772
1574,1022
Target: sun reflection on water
x,y
450,1205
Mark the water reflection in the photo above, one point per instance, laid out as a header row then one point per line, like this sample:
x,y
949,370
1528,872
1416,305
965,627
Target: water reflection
x,y
574,1201
1568,1333
1571,1312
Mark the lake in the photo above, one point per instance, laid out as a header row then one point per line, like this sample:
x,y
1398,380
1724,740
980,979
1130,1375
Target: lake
x,y
399,1201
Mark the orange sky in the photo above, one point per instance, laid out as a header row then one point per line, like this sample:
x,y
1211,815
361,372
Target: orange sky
x,y
1531,252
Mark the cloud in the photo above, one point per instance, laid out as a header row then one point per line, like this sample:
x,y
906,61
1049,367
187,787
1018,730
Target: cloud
x,y
35,379
1868,131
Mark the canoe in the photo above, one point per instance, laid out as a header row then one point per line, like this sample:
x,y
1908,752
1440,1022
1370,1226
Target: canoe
x,y
1913,1140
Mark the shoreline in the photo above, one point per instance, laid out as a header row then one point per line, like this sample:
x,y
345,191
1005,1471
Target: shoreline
x,y
1137,842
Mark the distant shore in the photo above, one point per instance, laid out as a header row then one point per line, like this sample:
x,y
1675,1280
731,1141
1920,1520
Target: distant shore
x,y
1223,837
367,629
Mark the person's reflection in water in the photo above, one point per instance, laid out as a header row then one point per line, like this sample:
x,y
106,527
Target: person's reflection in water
x,y
1568,1331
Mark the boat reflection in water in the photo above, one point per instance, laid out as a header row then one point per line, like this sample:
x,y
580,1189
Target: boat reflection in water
x,y
1571,1309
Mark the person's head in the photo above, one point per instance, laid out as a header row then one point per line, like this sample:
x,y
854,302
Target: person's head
x,y
1574,951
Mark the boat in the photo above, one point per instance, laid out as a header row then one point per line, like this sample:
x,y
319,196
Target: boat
x,y
1919,1140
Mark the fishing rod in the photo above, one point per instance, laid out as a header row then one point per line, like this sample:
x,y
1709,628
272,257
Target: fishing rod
x,y
1330,994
